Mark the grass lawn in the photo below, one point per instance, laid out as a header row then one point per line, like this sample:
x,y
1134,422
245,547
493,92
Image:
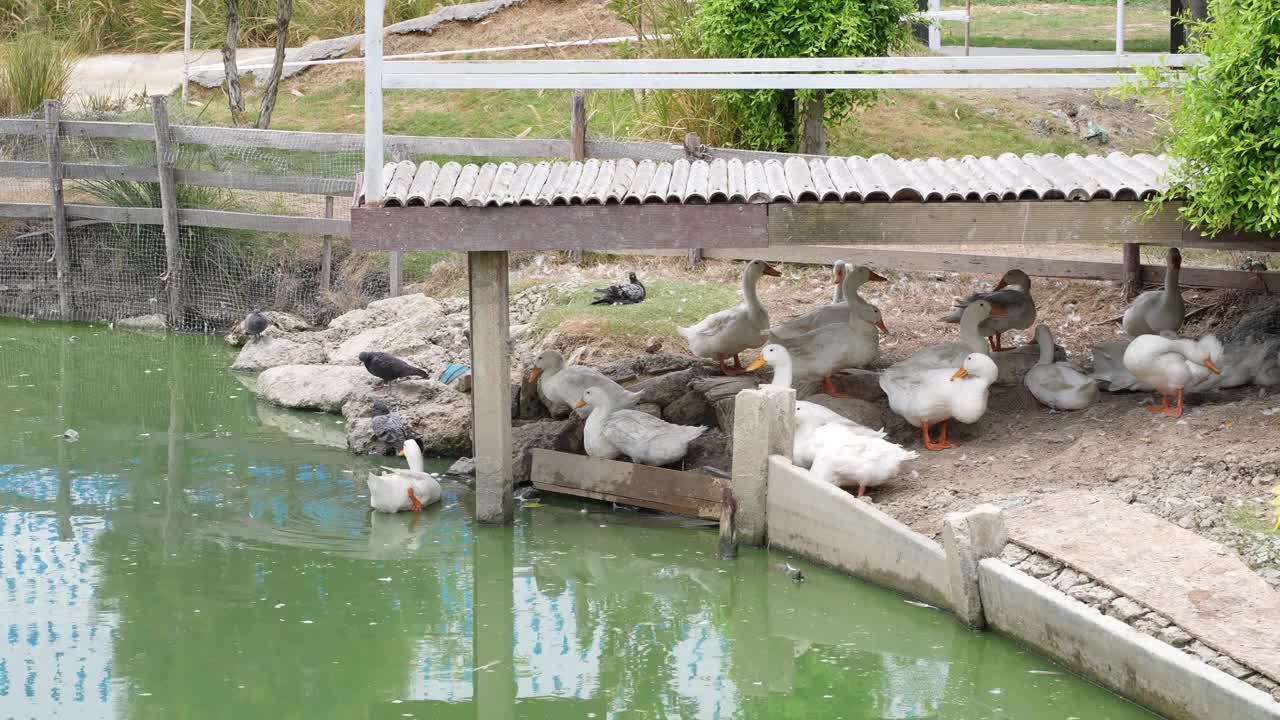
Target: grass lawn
x,y
1078,25
668,303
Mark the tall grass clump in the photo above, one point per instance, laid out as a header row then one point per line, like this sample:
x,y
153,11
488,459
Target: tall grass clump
x,y
33,68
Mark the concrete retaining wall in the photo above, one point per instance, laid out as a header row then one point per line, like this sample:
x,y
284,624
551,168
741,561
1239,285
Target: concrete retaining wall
x,y
1113,654
824,523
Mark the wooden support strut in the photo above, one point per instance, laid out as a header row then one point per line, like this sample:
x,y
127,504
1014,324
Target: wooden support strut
x,y
165,161
578,145
491,388
728,521
53,116
326,258
1132,270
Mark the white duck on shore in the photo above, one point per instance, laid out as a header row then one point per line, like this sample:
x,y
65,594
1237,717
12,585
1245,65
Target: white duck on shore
x,y
561,384
1158,311
397,489
1170,365
642,437
1057,384
925,396
726,333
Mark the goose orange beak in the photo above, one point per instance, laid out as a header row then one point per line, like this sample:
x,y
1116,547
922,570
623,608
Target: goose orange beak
x,y
400,452
883,328
771,271
1212,367
581,404
878,277
1002,285
959,374
534,374
999,311
755,365
839,276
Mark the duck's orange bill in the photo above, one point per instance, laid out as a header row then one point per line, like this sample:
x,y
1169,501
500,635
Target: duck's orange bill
x,y
877,276
581,404
755,365
400,452
999,311
534,374
960,373
771,271
1002,285
883,328
1212,367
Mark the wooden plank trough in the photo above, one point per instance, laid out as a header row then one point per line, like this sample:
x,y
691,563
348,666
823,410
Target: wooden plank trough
x,y
655,488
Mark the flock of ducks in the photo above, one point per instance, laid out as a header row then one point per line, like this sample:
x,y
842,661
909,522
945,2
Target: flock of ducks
x,y
950,380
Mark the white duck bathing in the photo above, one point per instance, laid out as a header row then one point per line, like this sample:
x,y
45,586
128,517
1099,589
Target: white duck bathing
x,y
729,332
642,437
925,396
1171,364
848,279
1057,384
1012,295
560,384
1158,311
397,489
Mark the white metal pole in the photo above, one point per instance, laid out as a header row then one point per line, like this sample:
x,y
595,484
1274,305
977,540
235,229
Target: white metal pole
x,y
186,51
373,101
1119,27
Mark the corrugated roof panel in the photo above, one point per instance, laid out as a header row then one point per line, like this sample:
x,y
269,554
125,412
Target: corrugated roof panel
x,y
797,179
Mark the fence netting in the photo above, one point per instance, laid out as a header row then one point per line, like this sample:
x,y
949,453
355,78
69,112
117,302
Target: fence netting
x,y
118,270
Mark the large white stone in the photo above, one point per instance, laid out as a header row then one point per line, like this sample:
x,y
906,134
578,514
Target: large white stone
x,y
313,387
269,352
403,338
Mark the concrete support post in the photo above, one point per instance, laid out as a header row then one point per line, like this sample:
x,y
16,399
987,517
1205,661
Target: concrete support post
x,y
491,387
970,538
493,682
764,423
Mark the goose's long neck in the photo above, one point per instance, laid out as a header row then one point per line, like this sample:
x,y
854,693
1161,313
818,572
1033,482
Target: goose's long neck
x,y
1171,274
754,307
782,373
1046,349
969,334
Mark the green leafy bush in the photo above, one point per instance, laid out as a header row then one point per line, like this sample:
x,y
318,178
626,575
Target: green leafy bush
x,y
769,119
1224,125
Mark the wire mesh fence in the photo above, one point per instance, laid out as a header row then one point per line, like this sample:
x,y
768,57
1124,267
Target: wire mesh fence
x,y
118,270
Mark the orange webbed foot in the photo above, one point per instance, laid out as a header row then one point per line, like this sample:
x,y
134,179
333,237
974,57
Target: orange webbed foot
x,y
413,500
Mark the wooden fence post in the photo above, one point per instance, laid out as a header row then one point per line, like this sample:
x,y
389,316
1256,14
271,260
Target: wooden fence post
x,y
1132,270
578,144
165,161
326,257
396,257
52,119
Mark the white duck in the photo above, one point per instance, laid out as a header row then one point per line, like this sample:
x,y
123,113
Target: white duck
x,y
952,354
848,279
1057,384
828,349
1171,364
1012,295
729,332
1158,311
924,396
397,489
560,384
845,457
642,437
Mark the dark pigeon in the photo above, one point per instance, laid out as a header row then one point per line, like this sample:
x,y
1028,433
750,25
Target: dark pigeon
x,y
389,427
628,293
387,367
255,323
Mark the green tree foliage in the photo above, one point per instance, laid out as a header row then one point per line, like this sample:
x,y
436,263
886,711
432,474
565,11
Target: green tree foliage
x,y
769,119
1225,120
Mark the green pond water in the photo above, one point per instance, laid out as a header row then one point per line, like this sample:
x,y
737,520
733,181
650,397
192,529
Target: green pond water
x,y
197,554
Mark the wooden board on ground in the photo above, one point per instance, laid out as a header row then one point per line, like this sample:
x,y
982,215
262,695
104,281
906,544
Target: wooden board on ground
x,y
673,491
1200,585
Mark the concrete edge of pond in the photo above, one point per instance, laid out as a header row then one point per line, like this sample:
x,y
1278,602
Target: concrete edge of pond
x,y
1135,665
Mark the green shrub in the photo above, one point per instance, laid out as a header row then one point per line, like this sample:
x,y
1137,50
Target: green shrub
x,y
34,68
1224,124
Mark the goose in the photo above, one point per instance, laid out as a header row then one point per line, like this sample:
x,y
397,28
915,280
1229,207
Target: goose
x,y
1171,364
924,396
848,276
952,354
825,350
845,457
1057,384
729,332
1158,311
397,489
560,384
642,437
1012,295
